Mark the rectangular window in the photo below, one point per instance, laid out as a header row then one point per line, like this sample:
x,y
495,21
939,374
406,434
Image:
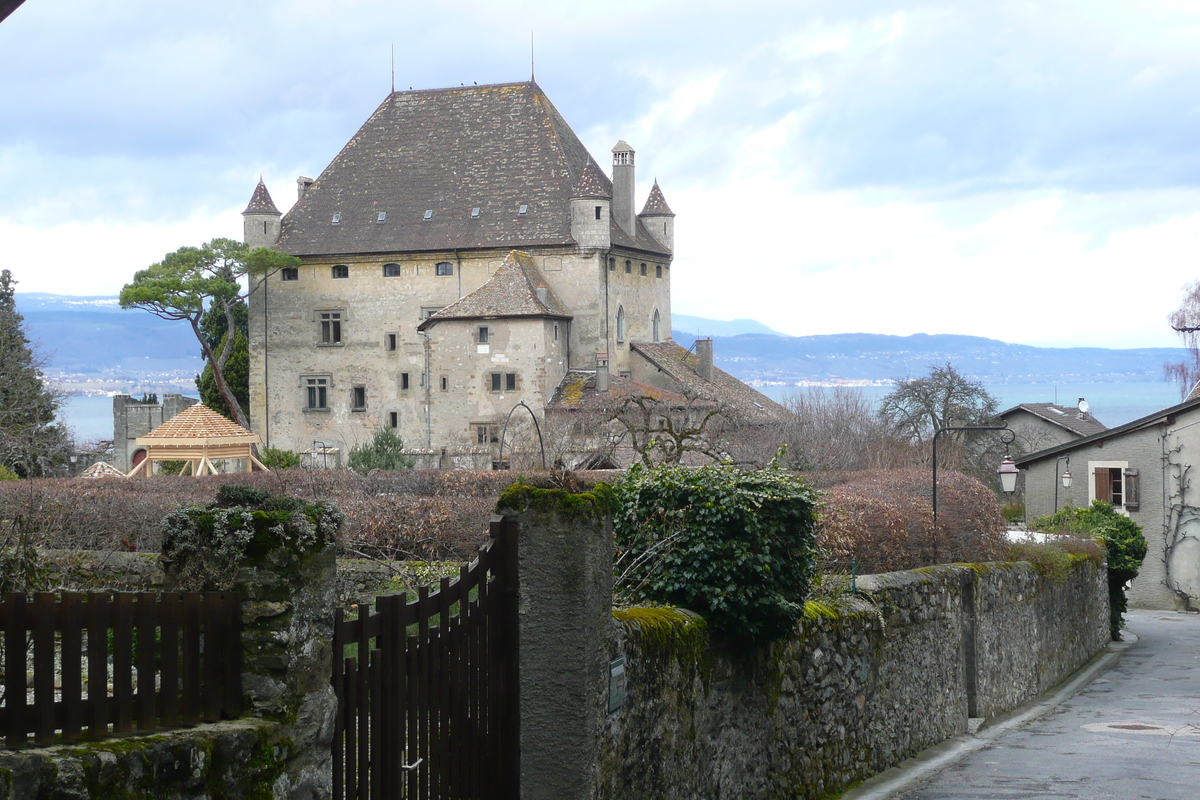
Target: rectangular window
x,y
289,274
391,270
643,270
316,394
331,327
1113,482
481,432
390,341
628,267
445,268
341,271
358,398
486,434
429,311
658,270
598,211
483,334
510,382
496,381
404,381
445,383
394,419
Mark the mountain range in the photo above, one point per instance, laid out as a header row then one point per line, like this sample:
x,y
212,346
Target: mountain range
x,y
94,336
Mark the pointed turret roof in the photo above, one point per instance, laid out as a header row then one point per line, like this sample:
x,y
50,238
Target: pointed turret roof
x,y
198,422
592,183
261,202
656,204
516,290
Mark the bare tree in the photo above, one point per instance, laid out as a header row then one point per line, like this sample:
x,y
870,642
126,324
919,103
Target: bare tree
x,y
1185,321
838,429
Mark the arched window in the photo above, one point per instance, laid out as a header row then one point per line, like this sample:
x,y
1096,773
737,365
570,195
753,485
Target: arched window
x,y
655,325
620,323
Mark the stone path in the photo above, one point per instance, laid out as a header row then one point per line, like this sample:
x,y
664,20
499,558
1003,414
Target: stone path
x,y
1133,732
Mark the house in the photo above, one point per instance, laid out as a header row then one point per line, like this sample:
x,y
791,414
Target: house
x,y
1042,425
462,255
1144,468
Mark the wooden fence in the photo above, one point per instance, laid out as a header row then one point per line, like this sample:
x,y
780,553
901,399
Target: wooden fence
x,y
152,661
427,689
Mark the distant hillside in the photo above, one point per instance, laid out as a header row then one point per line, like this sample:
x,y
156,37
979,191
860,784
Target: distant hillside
x,y
699,326
877,357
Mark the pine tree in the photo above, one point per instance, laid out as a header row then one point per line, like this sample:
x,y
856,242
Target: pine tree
x,y
32,442
237,368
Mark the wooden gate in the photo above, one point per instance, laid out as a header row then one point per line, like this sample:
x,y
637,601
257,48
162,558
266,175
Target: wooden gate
x,y
427,689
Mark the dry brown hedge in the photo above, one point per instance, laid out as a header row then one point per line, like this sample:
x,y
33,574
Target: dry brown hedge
x,y
882,519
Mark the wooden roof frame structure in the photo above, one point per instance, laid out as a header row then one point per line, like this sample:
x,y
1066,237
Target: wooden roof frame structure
x,y
199,436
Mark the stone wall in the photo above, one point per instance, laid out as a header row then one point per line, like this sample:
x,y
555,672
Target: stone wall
x,y
850,694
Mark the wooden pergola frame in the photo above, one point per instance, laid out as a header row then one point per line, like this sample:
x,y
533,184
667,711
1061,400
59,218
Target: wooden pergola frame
x,y
200,453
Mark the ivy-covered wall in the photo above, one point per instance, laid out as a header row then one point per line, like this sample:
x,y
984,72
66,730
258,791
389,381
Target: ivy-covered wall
x,y
852,692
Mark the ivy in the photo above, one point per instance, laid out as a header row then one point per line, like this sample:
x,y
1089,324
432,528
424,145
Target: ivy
x,y
736,546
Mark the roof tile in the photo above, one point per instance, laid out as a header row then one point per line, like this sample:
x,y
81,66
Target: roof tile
x,y
656,204
680,366
261,202
198,422
517,289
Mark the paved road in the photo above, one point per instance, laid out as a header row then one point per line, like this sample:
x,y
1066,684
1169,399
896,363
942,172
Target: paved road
x,y
1133,732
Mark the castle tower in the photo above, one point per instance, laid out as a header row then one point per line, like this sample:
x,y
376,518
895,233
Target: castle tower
x,y
658,218
591,202
261,219
622,194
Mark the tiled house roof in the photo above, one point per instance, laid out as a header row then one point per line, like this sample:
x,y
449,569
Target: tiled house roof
x,y
196,423
102,469
517,289
1067,417
592,183
656,204
680,365
446,152
261,202
577,392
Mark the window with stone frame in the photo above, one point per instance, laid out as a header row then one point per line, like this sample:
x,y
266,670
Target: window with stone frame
x,y
289,274
358,398
444,268
486,433
330,327
316,392
391,270
341,271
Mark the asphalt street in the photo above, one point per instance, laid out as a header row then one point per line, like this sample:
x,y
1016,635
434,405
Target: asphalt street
x,y
1128,727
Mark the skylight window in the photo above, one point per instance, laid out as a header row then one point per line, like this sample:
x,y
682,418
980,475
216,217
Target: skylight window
x,y
429,213
337,220
382,217
524,208
475,211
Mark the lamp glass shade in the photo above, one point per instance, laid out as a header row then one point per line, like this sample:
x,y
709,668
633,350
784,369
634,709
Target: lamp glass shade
x,y
1008,475
1066,479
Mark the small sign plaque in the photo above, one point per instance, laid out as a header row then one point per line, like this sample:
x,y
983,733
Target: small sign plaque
x,y
616,683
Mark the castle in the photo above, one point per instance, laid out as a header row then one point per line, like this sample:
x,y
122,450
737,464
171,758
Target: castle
x,y
462,254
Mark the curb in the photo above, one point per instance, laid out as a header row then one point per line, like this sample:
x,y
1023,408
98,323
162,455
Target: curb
x,y
936,758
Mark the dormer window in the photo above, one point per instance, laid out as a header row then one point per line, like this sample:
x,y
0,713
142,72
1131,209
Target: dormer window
x,y
337,220
475,211
523,209
429,213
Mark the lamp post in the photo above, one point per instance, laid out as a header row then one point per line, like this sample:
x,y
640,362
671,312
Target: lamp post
x,y
1065,478
1007,471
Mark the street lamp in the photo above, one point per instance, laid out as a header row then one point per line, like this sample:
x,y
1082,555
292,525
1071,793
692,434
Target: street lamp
x,y
1065,479
1007,471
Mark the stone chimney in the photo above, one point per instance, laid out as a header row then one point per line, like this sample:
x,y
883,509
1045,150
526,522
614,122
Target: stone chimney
x,y
622,193
704,358
543,294
602,372
302,184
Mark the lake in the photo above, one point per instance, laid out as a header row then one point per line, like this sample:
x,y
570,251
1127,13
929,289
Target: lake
x,y
1111,403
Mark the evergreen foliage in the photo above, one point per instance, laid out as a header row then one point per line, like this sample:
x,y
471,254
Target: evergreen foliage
x,y
214,326
736,546
274,458
1123,540
385,452
32,442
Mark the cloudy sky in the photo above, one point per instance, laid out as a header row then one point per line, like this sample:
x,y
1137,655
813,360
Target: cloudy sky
x,y
1027,171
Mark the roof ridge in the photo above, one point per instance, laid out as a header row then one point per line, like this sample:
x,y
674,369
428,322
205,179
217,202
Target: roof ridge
x,y
514,290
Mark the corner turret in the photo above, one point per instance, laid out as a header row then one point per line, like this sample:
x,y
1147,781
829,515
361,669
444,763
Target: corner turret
x,y
591,205
261,219
658,218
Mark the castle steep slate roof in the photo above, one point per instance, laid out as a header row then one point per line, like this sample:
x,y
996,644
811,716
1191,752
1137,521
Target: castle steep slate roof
x,y
261,202
577,392
517,289
197,423
592,183
1063,416
447,151
656,204
680,366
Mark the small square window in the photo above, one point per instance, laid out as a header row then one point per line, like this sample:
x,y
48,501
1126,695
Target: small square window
x,y
483,334
628,267
390,341
393,419
340,271
523,209
404,381
358,398
658,270
382,217
643,270
337,220
475,211
496,381
331,327
429,213
391,270
444,268
289,274
510,382
445,383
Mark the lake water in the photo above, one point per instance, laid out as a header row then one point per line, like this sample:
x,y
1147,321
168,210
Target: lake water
x,y
1111,403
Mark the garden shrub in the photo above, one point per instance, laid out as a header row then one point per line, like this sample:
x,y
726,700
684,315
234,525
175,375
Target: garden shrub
x,y
6,474
1123,541
736,546
205,545
385,452
277,458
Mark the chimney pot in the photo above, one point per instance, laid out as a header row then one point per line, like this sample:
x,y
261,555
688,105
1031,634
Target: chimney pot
x,y
704,356
602,372
302,184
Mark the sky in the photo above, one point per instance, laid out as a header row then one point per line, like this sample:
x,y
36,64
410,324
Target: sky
x,y
1026,171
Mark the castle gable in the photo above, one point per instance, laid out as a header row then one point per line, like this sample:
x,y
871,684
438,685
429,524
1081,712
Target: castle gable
x,y
516,290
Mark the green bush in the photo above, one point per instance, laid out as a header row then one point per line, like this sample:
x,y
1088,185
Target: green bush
x,y
274,458
204,545
385,452
1013,512
1123,541
7,474
736,546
